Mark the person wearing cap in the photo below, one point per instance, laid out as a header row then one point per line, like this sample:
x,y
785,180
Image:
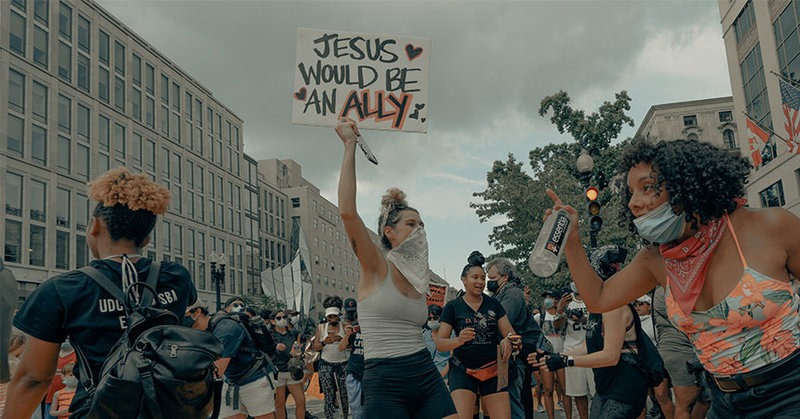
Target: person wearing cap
x,y
355,364
287,346
642,305
440,358
246,390
72,305
553,323
235,305
333,362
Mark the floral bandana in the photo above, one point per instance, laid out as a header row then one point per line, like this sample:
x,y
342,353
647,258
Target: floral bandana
x,y
411,259
687,263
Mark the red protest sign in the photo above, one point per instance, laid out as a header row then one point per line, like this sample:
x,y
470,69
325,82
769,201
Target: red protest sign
x,y
437,294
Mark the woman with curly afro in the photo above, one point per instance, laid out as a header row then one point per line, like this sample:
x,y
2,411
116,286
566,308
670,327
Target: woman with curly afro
x,y
72,305
400,379
725,269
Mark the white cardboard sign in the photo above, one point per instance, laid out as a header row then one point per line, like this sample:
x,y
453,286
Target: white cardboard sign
x,y
380,81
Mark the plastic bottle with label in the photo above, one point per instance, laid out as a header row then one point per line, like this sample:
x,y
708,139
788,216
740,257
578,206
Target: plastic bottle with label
x,y
550,244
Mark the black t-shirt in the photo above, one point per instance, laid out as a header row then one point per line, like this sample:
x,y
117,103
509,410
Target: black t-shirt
x,y
621,382
288,338
482,349
238,346
355,365
75,306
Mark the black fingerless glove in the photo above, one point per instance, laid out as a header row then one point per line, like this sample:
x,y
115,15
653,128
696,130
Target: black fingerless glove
x,y
556,361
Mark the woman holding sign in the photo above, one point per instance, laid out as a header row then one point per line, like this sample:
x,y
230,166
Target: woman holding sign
x,y
400,379
725,270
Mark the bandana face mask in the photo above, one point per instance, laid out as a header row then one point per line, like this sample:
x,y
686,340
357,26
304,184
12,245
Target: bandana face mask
x,y
660,225
411,259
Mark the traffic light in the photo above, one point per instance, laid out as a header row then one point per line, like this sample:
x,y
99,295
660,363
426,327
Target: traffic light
x,y
593,208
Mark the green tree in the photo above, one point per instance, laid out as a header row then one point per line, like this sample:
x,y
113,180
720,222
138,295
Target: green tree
x,y
519,198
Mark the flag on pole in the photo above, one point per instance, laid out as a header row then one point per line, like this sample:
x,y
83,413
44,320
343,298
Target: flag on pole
x,y
756,138
790,96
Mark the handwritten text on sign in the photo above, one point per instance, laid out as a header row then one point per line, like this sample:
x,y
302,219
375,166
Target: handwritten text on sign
x,y
437,294
380,81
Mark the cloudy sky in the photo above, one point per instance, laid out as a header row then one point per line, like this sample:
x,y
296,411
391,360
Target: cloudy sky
x,y
491,64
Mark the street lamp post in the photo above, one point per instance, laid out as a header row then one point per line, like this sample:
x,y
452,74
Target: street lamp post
x,y
585,164
218,274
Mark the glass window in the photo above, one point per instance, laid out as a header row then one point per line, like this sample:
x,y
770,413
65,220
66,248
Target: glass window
x,y
176,167
16,136
36,245
188,105
39,46
83,72
177,235
772,196
39,102
176,127
728,139
690,120
17,33
190,242
102,164
41,11
150,82
14,194
150,155
83,34
166,235
83,122
725,116
136,146
150,112
102,84
136,70
81,212
64,114
136,104
38,145
16,91
201,245
165,164
81,252
744,22
64,62
64,157
65,21
164,88
62,249
13,248
164,120
82,161
119,57
119,140
176,97
119,94
103,132
103,47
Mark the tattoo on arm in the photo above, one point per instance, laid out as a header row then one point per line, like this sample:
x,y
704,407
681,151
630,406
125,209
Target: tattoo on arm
x,y
355,248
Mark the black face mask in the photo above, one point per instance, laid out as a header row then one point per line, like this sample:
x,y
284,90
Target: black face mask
x,y
336,323
188,321
492,286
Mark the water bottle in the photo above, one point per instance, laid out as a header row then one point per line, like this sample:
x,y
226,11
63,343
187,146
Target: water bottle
x,y
550,244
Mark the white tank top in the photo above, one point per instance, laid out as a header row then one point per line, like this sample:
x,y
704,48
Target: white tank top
x,y
331,352
391,323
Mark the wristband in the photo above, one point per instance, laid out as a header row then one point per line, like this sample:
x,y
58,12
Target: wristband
x,y
570,361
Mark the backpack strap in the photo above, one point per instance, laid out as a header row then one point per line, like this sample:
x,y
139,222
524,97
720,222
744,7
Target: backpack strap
x,y
104,282
152,282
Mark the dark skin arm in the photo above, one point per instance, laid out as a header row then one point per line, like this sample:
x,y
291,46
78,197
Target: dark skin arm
x,y
32,378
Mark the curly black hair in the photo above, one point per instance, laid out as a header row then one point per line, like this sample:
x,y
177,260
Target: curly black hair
x,y
475,259
701,178
332,301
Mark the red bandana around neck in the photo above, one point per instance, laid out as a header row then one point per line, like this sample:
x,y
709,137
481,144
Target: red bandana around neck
x,y
687,263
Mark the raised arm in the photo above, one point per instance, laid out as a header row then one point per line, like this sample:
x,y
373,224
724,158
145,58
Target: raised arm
x,y
623,287
369,255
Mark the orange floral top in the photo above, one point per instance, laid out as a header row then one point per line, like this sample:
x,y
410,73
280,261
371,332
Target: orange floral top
x,y
757,324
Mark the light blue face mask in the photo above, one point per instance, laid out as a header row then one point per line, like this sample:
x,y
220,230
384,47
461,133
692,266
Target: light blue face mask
x,y
660,225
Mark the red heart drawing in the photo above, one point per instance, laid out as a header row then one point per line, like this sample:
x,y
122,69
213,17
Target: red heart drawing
x,y
413,52
300,94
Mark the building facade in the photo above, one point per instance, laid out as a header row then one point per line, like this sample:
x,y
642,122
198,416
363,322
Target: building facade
x,y
81,93
709,120
762,38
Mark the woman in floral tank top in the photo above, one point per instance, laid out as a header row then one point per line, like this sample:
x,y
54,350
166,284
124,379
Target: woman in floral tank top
x,y
725,268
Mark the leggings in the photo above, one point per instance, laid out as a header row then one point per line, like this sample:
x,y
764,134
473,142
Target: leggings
x,y
331,379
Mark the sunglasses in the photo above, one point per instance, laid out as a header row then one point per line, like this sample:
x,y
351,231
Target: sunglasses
x,y
433,317
280,317
237,305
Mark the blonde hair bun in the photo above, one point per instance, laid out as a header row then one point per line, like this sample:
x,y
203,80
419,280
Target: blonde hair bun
x,y
394,197
135,191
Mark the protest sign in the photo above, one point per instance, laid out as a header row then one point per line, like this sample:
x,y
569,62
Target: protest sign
x,y
380,81
437,294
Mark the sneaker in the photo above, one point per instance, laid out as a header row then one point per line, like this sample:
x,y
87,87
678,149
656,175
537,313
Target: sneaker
x,y
540,409
560,405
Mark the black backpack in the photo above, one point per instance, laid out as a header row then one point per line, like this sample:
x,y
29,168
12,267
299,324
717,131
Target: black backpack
x,y
157,369
647,360
264,350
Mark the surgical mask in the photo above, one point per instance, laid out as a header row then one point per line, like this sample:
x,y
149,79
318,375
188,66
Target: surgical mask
x,y
188,321
280,323
411,259
549,302
660,225
433,324
237,308
492,286
70,381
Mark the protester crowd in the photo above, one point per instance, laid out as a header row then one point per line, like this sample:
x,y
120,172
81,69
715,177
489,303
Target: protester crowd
x,y
702,322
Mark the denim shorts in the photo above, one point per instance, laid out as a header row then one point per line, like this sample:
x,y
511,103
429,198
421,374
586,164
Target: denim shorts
x,y
778,398
458,379
405,387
